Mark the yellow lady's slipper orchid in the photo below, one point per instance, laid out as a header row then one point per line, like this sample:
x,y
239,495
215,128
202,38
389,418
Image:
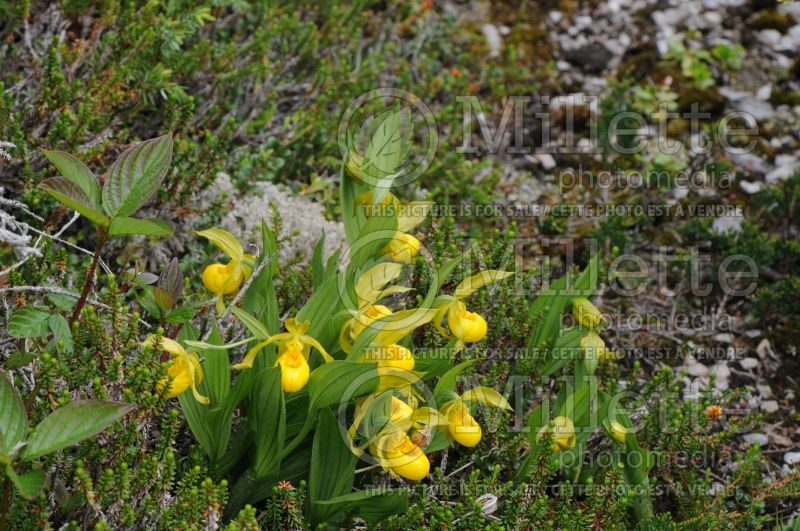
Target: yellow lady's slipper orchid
x,y
369,289
587,314
366,318
593,348
294,367
224,279
184,372
394,355
399,456
294,345
617,431
467,326
402,249
401,412
461,426
464,325
563,433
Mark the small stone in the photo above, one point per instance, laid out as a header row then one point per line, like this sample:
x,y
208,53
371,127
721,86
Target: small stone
x,y
769,37
785,167
764,92
769,406
791,458
555,17
756,438
694,368
751,187
546,160
493,39
748,363
765,391
758,109
592,58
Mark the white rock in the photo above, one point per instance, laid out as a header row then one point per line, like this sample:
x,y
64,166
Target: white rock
x,y
555,17
764,92
758,109
769,37
695,368
723,224
791,458
493,39
546,160
769,406
756,438
748,363
765,391
751,187
785,167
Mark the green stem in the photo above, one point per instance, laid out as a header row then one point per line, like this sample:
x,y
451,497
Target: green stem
x,y
102,237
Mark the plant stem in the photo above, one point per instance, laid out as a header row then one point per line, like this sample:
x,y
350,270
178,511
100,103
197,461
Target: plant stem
x,y
102,236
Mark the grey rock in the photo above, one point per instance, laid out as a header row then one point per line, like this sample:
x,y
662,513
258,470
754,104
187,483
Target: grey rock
x,y
748,363
769,406
592,58
756,438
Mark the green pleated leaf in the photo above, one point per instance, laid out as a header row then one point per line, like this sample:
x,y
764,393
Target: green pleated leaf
x,y
371,505
74,197
332,463
28,484
28,321
77,172
136,175
71,424
269,418
62,335
13,420
121,226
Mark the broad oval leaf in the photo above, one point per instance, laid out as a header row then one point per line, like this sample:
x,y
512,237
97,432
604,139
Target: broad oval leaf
x,y
71,424
13,420
136,175
28,484
62,335
73,196
76,171
121,226
28,321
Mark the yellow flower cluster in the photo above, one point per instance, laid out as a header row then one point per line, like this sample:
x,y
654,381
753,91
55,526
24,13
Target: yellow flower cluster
x,y
224,279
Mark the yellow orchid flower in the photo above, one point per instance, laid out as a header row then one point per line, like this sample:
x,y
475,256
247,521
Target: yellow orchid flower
x,y
617,431
587,314
393,359
393,355
184,371
402,249
398,455
464,325
371,287
224,279
294,348
460,425
563,433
